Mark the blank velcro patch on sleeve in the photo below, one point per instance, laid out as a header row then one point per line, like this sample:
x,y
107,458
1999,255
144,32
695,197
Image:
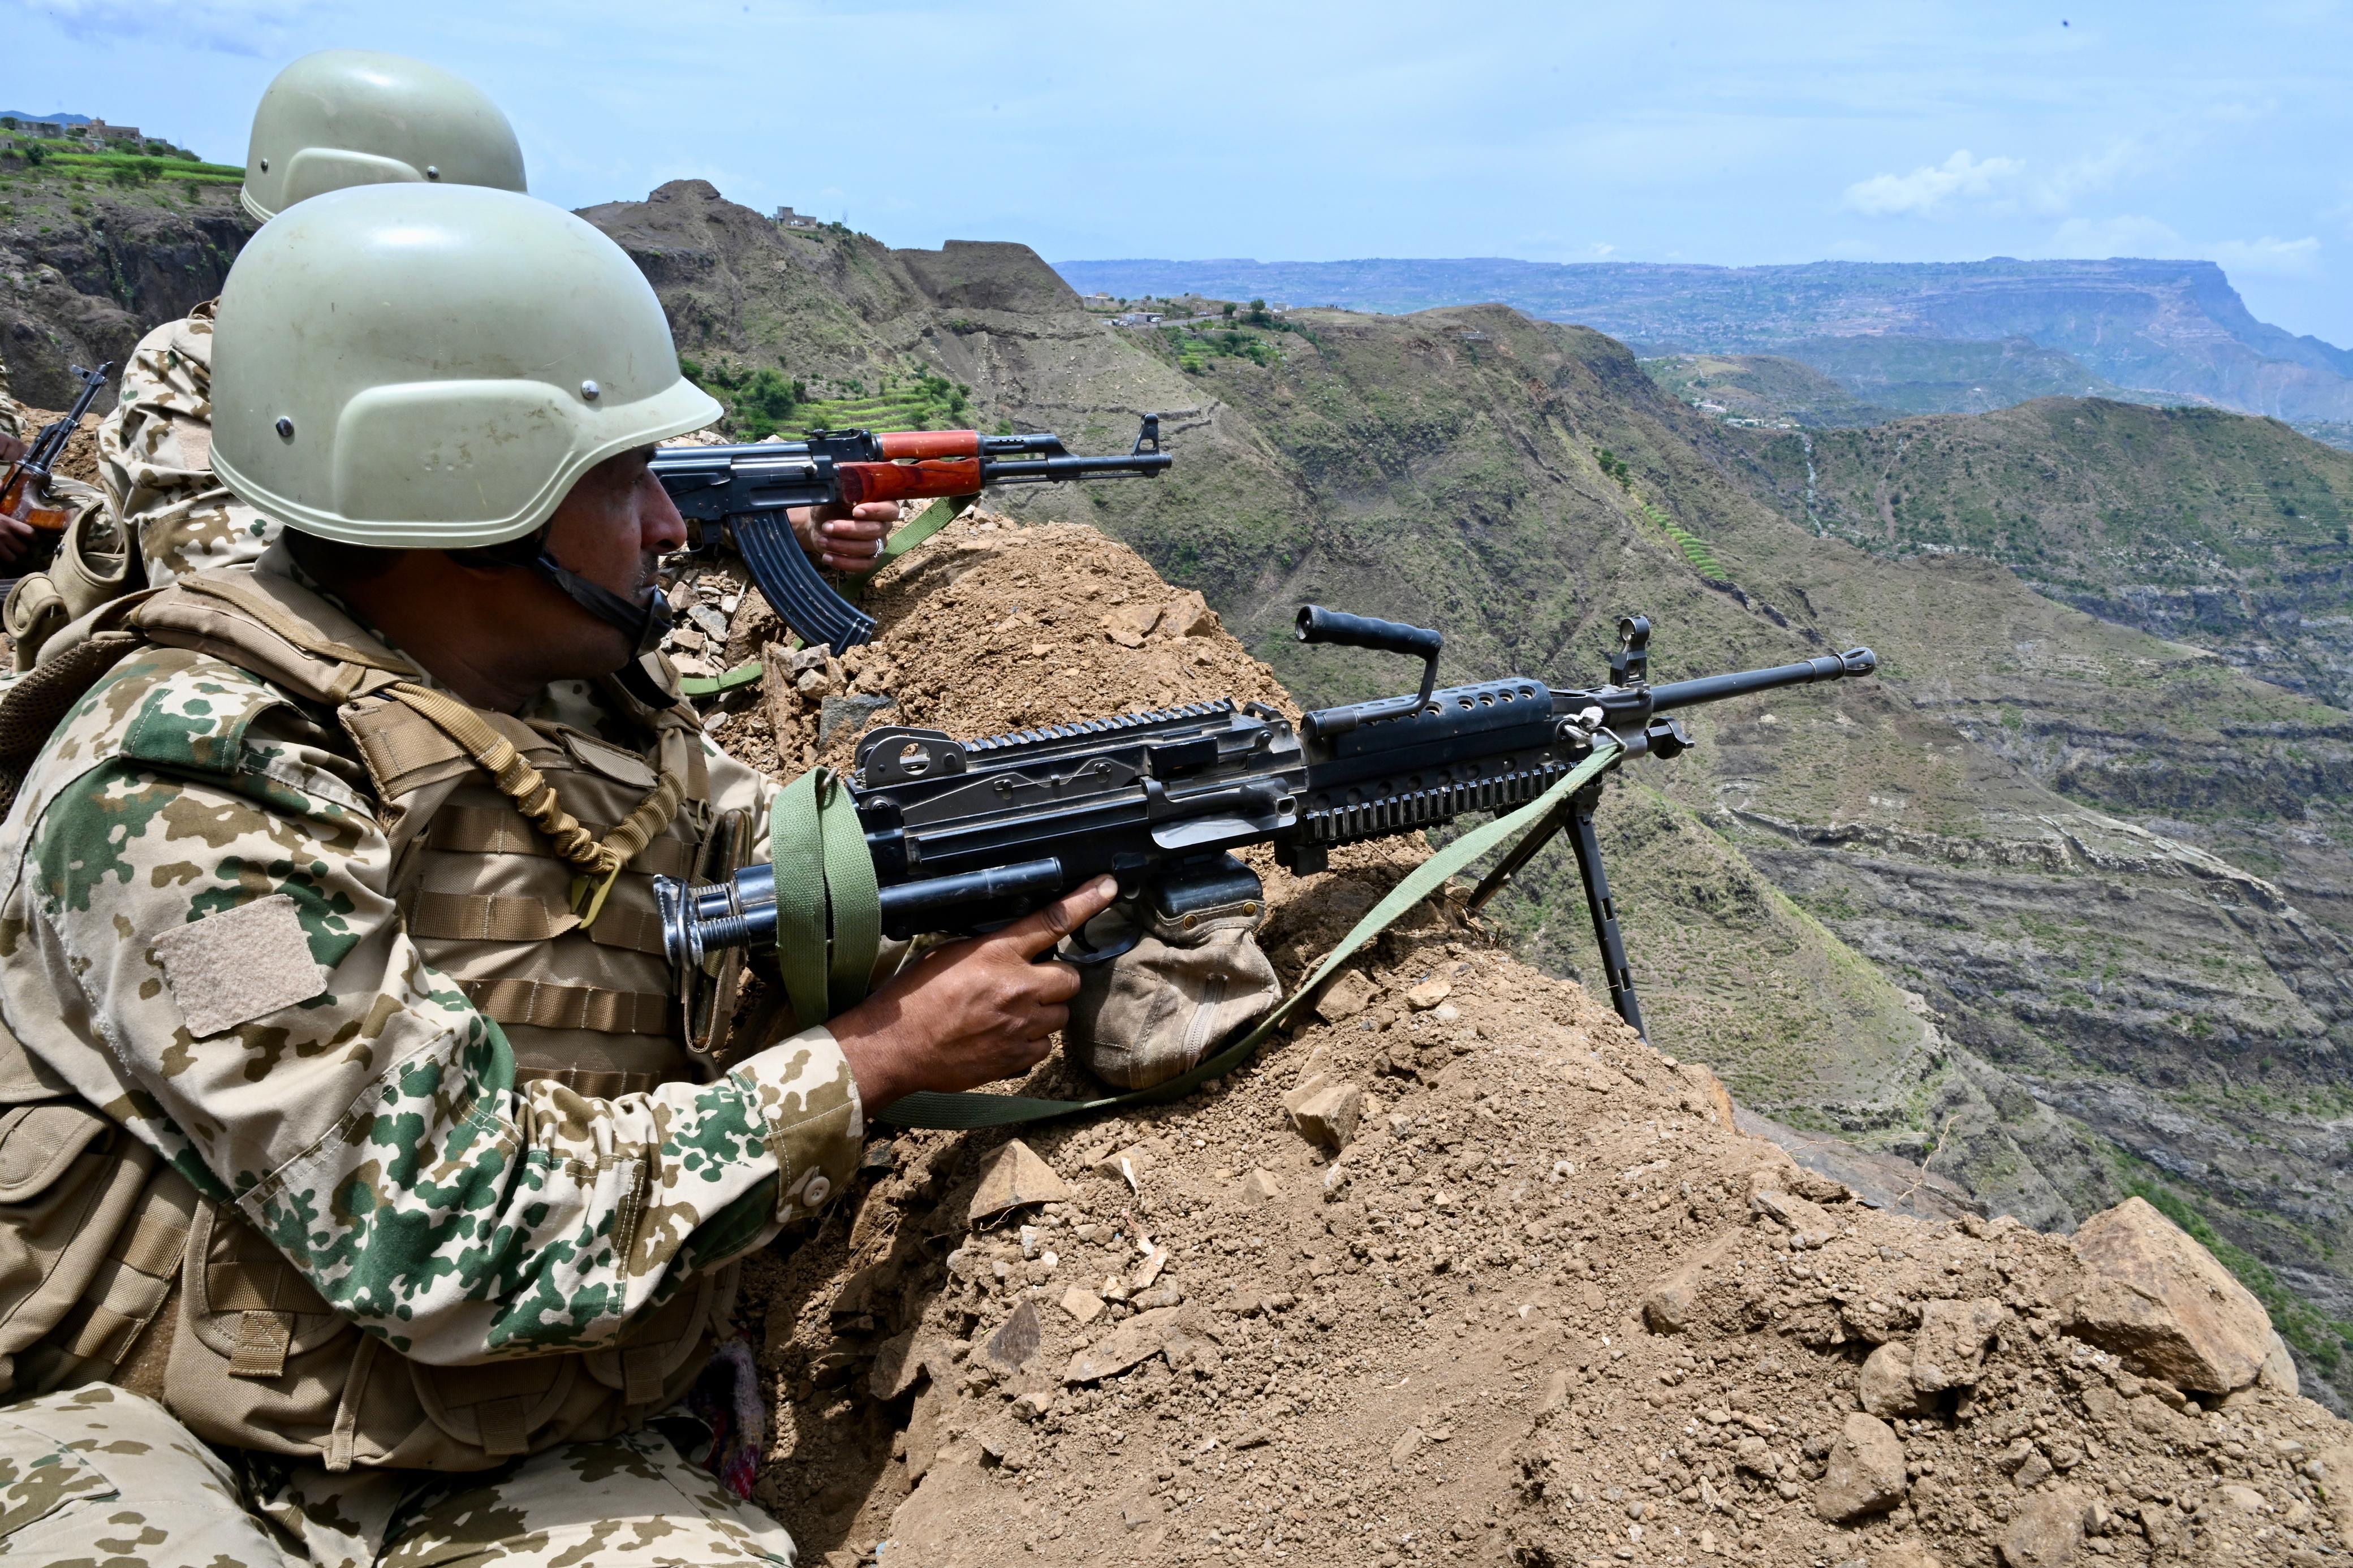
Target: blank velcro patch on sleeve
x,y
240,964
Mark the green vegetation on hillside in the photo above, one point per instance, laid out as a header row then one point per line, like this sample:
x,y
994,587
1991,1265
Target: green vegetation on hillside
x,y
2225,530
1194,349
1760,389
71,160
761,402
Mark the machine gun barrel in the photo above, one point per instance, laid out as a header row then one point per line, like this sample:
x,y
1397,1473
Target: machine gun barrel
x,y
1717,688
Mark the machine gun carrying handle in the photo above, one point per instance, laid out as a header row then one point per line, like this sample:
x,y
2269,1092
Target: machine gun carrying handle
x,y
1318,625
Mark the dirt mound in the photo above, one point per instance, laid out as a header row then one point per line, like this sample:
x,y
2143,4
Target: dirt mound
x,y
1545,1304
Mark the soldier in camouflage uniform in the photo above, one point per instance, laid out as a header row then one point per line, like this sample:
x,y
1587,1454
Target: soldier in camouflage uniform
x,y
369,1182
13,432
331,120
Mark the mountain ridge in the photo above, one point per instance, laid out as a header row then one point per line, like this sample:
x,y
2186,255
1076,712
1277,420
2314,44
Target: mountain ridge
x,y
2173,327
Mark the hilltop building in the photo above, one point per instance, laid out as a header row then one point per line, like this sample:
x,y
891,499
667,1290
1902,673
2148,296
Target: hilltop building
x,y
100,131
787,218
1097,303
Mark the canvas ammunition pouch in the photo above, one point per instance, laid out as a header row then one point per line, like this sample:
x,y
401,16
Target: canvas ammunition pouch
x,y
1192,979
524,858
92,565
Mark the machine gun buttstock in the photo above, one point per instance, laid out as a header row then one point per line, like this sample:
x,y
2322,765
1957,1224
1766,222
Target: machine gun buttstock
x,y
789,581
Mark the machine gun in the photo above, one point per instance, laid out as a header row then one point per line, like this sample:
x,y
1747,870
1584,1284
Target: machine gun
x,y
25,486
750,489
965,836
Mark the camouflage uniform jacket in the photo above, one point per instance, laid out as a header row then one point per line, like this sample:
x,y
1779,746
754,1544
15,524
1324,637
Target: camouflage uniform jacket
x,y
12,412
156,459
373,1130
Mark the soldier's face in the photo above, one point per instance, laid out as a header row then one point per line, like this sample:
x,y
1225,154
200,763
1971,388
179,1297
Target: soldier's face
x,y
613,528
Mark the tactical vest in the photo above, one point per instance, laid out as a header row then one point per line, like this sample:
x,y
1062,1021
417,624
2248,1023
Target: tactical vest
x,y
112,1269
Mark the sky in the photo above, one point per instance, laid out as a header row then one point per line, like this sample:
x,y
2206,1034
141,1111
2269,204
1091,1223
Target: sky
x,y
1710,132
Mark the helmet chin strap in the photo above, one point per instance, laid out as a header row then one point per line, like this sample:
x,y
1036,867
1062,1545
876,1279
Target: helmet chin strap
x,y
644,624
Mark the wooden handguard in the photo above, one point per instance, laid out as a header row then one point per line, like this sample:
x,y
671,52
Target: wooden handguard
x,y
909,482
899,445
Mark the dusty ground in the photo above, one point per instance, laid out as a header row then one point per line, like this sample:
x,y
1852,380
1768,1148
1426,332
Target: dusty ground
x,y
1430,1347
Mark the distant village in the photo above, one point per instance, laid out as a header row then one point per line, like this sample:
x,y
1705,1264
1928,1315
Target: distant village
x,y
92,134
1151,313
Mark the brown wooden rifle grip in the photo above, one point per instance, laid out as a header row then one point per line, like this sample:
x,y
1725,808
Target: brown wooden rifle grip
x,y
16,500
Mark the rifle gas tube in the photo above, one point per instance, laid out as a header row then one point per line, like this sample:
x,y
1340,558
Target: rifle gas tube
x,y
25,486
967,835
749,489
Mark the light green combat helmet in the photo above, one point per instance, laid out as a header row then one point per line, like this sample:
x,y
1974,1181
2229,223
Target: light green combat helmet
x,y
355,117
410,368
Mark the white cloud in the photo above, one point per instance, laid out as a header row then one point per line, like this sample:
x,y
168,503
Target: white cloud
x,y
258,27
1930,186
2268,257
2056,192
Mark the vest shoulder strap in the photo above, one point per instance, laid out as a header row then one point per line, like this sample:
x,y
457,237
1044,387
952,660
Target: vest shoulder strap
x,y
275,628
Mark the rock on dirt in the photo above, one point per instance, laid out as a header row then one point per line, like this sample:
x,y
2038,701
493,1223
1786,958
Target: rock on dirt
x,y
2047,1534
2164,1304
1950,1348
1014,1178
1885,1386
1865,1475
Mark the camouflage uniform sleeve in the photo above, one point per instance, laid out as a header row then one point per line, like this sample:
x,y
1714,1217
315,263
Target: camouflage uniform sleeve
x,y
155,459
372,1129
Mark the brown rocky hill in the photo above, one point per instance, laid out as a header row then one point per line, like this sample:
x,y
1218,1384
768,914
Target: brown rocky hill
x,y
2054,908
1537,1302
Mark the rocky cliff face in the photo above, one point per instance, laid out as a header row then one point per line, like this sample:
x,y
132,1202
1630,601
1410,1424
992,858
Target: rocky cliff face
x,y
85,272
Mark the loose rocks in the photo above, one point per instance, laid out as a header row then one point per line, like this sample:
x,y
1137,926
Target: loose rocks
x,y
1952,1343
1865,1474
2165,1305
1885,1385
2047,1532
1015,1177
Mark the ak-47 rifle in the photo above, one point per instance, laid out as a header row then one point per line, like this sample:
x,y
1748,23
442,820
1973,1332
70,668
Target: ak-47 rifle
x,y
750,489
25,486
964,836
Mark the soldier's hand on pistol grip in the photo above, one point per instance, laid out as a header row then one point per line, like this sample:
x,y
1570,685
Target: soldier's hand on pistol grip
x,y
844,538
971,1012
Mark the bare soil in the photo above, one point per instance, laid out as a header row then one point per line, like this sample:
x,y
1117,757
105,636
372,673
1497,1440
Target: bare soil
x,y
1430,1346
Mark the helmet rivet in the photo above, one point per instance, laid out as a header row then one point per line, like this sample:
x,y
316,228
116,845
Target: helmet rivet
x,y
286,427
591,391
265,165
432,173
